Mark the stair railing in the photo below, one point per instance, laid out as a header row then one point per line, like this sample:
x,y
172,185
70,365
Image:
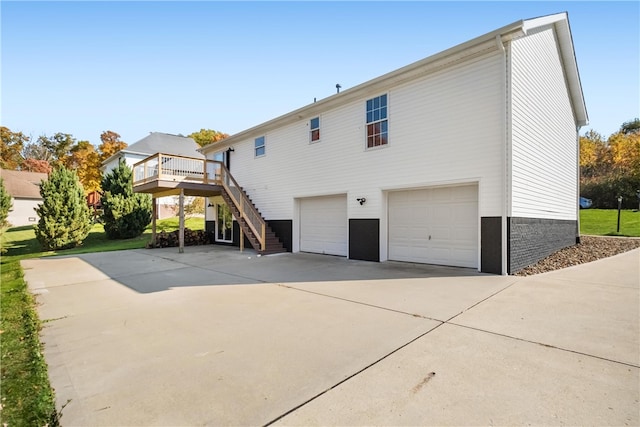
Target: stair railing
x,y
171,167
247,211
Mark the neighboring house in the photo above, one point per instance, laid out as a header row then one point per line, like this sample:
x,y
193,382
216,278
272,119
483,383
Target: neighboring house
x,y
24,188
466,158
155,142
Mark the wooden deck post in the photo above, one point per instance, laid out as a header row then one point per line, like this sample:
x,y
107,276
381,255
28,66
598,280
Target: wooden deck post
x,y
181,232
241,240
153,221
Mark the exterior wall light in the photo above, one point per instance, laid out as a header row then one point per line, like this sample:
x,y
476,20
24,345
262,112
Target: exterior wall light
x,y
361,200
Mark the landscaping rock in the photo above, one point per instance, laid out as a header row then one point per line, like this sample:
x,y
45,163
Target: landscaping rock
x,y
590,248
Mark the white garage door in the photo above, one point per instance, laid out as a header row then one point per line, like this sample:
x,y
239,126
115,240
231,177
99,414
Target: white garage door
x,y
323,225
435,226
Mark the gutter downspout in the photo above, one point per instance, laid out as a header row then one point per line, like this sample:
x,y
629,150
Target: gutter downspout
x,y
578,183
505,157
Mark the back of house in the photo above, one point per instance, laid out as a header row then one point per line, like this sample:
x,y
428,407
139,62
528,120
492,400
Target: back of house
x,y
466,158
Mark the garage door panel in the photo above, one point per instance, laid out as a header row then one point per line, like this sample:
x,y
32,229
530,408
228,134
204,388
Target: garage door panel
x,y
465,234
434,226
324,225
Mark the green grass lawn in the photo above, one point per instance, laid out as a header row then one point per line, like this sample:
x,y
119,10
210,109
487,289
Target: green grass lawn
x,y
603,222
26,395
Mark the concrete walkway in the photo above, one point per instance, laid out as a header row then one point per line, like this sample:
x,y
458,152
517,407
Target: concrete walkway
x,y
218,337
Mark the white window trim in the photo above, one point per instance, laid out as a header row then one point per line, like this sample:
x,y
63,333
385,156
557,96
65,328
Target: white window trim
x,y
319,130
377,147
264,146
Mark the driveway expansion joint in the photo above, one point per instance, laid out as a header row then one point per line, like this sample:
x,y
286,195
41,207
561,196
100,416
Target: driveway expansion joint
x,y
361,303
290,411
544,345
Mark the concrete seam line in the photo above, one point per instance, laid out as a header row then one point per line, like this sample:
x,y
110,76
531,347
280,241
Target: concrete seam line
x,y
483,300
361,303
351,376
380,359
543,344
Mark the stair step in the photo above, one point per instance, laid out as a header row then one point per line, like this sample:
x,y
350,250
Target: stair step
x,y
273,244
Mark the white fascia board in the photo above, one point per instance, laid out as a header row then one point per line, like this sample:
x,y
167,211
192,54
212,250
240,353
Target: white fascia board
x,y
412,71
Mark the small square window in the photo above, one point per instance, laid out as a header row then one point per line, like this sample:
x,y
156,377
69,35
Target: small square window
x,y
260,149
314,129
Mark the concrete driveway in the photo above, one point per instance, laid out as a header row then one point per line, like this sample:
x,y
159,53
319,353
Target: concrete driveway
x,y
218,337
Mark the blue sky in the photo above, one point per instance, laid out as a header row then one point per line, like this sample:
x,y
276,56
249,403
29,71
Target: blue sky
x,y
176,67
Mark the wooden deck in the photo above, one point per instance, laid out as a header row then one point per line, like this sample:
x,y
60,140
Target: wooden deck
x,y
170,175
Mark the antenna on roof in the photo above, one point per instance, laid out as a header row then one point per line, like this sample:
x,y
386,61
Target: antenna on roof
x,y
338,87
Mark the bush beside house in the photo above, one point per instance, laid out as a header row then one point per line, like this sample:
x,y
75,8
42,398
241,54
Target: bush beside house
x,y
126,214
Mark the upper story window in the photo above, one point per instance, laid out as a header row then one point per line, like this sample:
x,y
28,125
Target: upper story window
x,y
377,127
314,129
260,148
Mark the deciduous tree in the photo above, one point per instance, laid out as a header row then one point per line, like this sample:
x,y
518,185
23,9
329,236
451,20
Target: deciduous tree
x,y
207,136
34,150
58,146
110,145
35,165
85,160
11,145
595,158
625,152
632,126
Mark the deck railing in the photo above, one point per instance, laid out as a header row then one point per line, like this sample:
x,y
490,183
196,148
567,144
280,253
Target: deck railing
x,y
159,167
175,168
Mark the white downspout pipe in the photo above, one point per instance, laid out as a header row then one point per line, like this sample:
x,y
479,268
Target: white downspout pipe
x,y
505,156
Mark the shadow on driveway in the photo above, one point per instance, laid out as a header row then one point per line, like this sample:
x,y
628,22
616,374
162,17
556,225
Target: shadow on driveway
x,y
154,270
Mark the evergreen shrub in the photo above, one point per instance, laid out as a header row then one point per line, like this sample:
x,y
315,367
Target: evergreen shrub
x,y
64,217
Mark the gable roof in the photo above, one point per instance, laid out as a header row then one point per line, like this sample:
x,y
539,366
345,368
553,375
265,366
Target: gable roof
x,y
23,185
477,46
158,142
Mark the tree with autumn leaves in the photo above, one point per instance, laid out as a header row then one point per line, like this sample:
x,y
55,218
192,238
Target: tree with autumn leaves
x,y
611,168
59,150
207,136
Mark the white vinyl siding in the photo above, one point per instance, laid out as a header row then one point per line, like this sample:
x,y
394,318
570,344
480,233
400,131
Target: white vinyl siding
x,y
22,211
446,129
544,147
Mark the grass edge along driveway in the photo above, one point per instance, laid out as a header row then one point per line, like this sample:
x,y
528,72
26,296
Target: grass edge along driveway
x,y
26,396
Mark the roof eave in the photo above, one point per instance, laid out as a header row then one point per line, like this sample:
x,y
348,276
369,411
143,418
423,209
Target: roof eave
x,y
438,60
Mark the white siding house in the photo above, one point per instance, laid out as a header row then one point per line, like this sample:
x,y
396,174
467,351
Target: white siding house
x,y
155,142
466,158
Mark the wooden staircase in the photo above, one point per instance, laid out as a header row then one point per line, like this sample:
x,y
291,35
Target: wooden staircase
x,y
273,245
163,168
249,218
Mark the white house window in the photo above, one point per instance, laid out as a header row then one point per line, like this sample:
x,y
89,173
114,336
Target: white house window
x,y
260,148
314,129
377,127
